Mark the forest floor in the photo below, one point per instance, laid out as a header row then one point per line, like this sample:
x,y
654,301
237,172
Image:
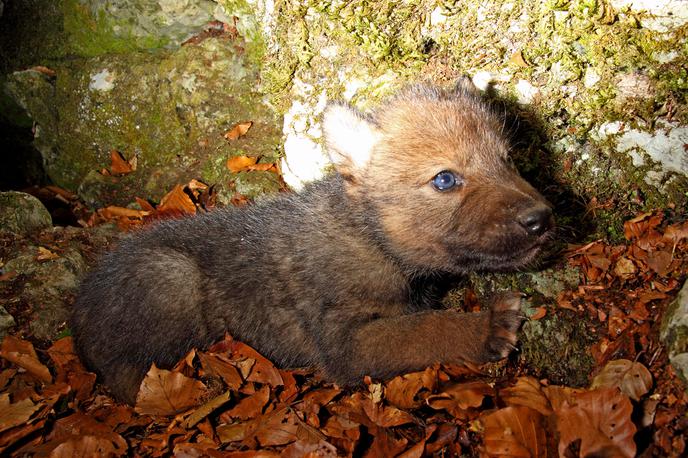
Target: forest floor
x,y
229,401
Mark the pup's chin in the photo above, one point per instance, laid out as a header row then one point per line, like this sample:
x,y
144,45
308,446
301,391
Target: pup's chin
x,y
518,259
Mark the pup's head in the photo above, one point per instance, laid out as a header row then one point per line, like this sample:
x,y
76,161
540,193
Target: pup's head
x,y
432,169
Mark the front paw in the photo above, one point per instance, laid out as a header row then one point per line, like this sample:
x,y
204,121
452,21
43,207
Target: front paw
x,y
505,319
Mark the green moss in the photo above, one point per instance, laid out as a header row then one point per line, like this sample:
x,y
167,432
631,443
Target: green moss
x,y
557,348
93,36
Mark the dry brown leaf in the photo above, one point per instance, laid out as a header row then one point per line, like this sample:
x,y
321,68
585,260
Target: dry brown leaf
x,y
239,163
386,416
238,130
303,449
250,407
263,371
277,428
633,379
263,166
86,446
44,70
45,254
676,232
557,395
166,393
540,313
385,444
113,211
403,391
624,268
206,409
457,399
517,59
21,353
119,165
314,400
12,415
527,392
515,432
62,352
220,366
601,419
177,202
660,261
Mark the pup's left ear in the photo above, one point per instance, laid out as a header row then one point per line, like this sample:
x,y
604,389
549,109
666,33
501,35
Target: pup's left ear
x,y
350,137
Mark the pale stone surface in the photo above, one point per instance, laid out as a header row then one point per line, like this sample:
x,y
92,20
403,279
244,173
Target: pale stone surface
x,y
674,333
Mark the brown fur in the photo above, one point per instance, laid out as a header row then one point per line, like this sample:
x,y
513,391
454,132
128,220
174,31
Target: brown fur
x,y
340,275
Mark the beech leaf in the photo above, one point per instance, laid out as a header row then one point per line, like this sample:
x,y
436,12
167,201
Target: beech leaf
x,y
601,419
633,379
515,432
164,392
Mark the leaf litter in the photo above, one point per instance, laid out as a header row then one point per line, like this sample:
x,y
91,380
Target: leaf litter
x,y
230,401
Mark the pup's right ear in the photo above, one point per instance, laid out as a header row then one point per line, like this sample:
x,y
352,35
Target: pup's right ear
x,y
349,137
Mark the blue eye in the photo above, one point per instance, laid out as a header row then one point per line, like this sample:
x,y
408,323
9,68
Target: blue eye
x,y
444,181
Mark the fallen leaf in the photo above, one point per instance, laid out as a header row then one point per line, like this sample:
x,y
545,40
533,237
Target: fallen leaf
x,y
515,432
86,446
21,353
518,60
601,419
12,415
386,416
624,268
527,392
166,393
458,398
119,165
263,371
660,261
633,379
250,407
45,254
539,313
239,163
238,130
220,366
176,202
206,409
303,449
403,391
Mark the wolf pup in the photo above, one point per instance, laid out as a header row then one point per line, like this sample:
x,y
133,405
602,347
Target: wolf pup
x,y
339,275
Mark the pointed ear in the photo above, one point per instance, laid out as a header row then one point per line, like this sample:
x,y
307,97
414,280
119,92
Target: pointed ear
x,y
349,137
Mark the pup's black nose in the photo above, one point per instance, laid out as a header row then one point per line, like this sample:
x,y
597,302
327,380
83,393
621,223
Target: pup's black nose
x,y
536,220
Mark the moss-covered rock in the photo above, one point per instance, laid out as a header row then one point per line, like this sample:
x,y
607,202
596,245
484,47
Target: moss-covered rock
x,y
567,69
674,333
22,213
168,109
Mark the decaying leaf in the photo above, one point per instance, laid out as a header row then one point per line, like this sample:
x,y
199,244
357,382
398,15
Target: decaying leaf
x,y
119,165
251,406
633,379
12,415
220,366
527,392
601,420
515,432
21,353
177,201
263,371
403,391
238,163
458,398
238,130
166,393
